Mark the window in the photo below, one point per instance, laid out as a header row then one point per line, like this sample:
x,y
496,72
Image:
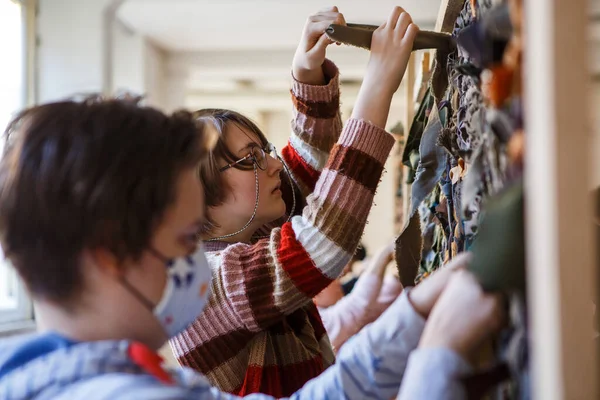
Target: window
x,y
12,69
15,306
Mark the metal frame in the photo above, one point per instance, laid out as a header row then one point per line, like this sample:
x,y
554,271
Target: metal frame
x,y
22,313
22,316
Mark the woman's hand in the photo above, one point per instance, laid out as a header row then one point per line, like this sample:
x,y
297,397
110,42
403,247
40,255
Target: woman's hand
x,y
426,294
390,51
464,316
391,47
310,54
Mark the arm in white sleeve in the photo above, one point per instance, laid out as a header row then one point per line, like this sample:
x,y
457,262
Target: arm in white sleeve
x,y
434,374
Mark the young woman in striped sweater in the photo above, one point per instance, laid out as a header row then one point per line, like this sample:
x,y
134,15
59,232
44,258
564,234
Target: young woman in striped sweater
x,y
260,331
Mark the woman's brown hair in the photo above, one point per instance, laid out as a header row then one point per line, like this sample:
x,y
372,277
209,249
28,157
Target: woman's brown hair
x,y
215,188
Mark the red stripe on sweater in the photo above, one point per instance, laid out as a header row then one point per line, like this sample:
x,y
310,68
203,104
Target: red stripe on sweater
x,y
300,168
297,263
280,381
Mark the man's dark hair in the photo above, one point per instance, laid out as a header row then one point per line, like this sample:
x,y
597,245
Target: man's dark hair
x,y
85,175
360,253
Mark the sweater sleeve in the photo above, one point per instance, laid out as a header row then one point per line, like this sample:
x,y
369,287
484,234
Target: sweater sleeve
x,y
443,369
316,127
255,286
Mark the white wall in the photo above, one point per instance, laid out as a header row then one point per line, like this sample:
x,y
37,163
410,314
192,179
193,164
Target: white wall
x,y
155,76
128,63
138,67
277,127
70,54
73,58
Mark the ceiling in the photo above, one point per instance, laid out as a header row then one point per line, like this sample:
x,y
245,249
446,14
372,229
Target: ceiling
x,y
231,47
232,53
199,25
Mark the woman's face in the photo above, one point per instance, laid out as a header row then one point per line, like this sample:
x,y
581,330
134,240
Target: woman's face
x,y
240,198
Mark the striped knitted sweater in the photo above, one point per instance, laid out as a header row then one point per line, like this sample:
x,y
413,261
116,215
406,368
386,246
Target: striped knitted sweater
x,y
260,331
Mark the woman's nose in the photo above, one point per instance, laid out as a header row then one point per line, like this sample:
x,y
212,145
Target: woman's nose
x,y
274,164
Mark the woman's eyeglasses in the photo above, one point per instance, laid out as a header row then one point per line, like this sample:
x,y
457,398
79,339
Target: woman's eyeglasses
x,y
257,156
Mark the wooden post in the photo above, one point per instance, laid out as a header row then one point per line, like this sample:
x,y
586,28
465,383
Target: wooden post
x,y
561,279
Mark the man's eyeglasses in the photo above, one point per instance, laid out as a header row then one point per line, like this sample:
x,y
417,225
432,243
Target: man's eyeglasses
x,y
257,156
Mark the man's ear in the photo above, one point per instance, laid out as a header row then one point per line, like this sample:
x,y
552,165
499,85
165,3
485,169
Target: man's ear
x,y
105,261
